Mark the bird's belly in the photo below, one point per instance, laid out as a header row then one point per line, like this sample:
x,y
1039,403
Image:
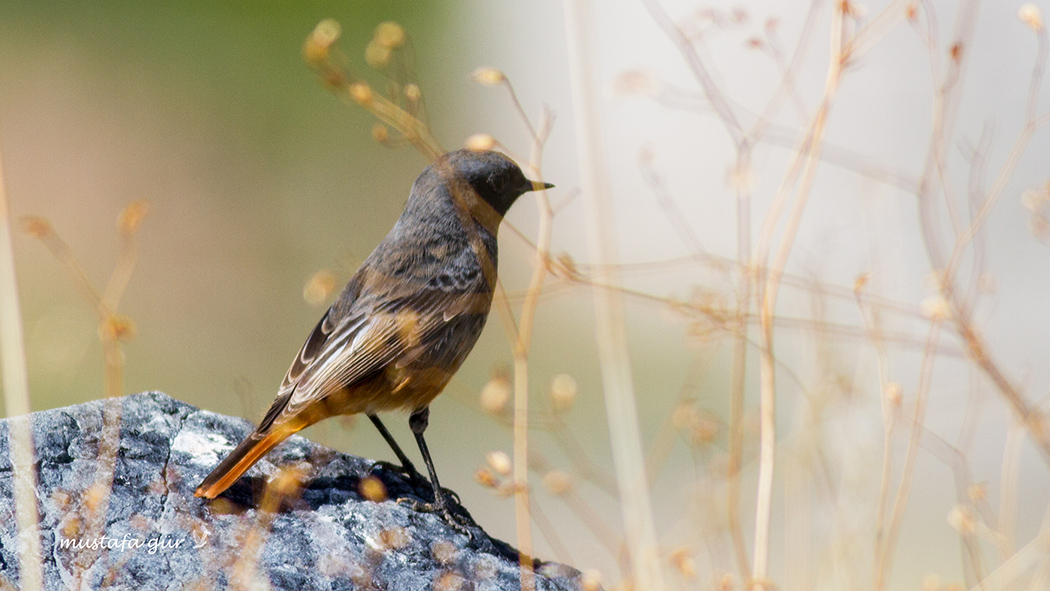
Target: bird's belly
x,y
392,389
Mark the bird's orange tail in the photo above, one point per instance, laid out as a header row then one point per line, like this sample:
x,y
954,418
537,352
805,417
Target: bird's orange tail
x,y
237,463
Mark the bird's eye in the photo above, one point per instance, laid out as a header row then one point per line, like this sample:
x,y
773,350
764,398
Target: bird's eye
x,y
498,183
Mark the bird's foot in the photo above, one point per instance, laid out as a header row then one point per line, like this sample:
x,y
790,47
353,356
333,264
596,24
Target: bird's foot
x,y
460,521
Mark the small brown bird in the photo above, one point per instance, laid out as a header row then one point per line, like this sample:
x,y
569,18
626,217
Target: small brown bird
x,y
406,320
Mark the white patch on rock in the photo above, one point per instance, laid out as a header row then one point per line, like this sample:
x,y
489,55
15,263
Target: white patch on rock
x,y
203,448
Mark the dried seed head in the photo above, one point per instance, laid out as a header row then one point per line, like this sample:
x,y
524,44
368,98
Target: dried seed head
x,y
61,499
320,285
684,563
564,266
224,506
443,551
94,497
448,581
563,392
376,55
590,580
961,518
489,76
637,82
130,219
1031,16
380,133
499,461
505,489
394,537
557,482
1035,199
117,327
320,40
288,481
704,431
389,34
485,568
893,394
486,478
977,491
861,282
37,227
480,142
71,526
496,394
372,489
361,93
936,308
934,280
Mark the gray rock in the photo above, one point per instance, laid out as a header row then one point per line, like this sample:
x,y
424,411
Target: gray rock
x,y
159,536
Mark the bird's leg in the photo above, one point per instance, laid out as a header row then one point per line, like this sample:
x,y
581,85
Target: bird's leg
x,y
407,467
418,423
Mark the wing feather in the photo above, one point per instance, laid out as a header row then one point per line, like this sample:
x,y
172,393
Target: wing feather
x,y
373,333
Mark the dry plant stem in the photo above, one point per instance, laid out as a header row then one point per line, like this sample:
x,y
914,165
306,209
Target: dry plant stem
x,y
884,564
521,339
944,109
521,359
621,409
978,350
767,397
1009,480
1032,554
110,330
889,422
16,402
358,92
522,516
550,533
738,392
711,91
744,293
246,569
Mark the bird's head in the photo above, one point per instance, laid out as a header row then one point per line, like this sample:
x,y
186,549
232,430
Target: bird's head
x,y
495,178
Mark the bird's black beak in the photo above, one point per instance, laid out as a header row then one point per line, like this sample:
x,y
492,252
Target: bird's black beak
x,y
537,186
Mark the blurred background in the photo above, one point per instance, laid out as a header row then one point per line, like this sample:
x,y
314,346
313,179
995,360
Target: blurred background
x,y
258,177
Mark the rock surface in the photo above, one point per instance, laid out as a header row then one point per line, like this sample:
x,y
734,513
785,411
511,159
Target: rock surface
x,y
157,535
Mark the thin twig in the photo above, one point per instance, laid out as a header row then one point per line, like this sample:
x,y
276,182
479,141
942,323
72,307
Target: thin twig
x,y
17,404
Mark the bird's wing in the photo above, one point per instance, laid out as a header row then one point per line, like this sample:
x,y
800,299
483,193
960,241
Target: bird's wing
x,y
375,332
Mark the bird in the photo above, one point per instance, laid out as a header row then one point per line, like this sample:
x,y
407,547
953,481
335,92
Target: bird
x,y
405,321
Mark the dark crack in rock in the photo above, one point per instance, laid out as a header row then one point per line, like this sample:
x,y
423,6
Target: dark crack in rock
x,y
158,536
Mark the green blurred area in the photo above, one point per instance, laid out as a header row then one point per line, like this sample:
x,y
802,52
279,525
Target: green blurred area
x,y
256,174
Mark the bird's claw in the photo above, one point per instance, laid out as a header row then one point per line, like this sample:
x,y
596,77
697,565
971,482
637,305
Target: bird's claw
x,y
461,523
